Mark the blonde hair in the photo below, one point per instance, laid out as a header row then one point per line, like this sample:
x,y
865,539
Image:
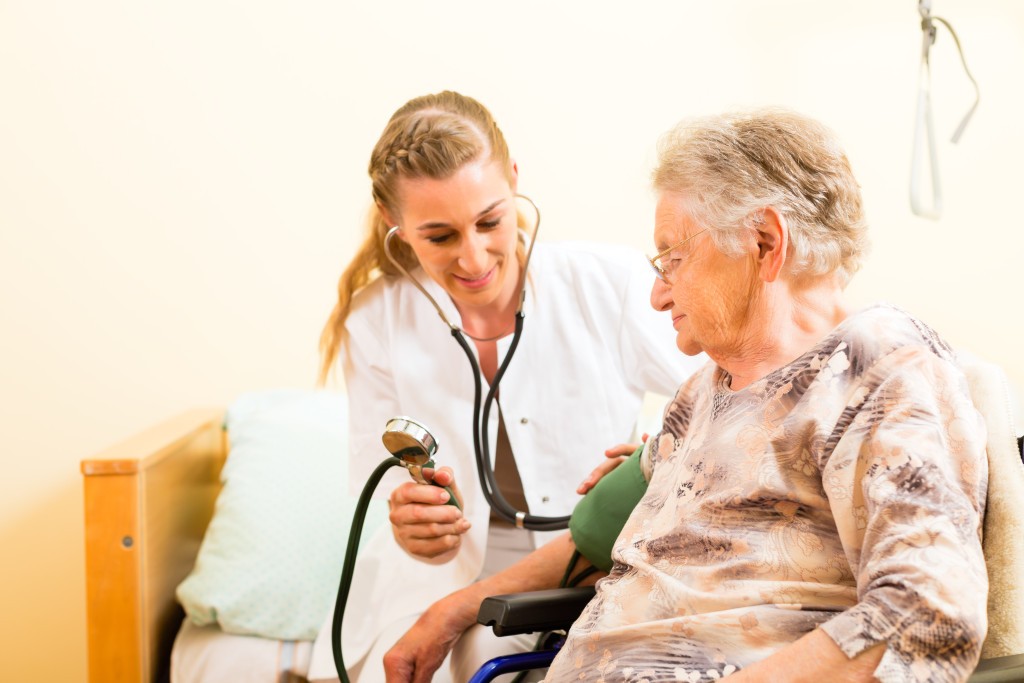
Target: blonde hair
x,y
734,165
431,136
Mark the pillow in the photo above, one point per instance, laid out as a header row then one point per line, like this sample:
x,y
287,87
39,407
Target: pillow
x,y
271,558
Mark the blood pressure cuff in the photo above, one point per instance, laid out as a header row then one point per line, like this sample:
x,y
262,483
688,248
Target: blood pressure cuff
x,y
599,517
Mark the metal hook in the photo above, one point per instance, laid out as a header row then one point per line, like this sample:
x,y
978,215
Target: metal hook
x,y
924,129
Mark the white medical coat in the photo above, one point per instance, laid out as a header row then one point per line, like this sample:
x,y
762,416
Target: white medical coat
x,y
591,347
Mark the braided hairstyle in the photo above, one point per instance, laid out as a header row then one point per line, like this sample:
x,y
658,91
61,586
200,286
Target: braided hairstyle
x,y
431,136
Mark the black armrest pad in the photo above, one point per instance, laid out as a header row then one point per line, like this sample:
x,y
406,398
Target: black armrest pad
x,y
531,612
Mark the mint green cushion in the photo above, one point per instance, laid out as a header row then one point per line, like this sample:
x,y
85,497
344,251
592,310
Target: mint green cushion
x,y
271,558
599,517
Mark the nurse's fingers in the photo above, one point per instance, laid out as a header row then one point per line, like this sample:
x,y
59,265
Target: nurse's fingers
x,y
599,472
616,456
445,476
625,448
423,494
429,541
432,548
421,524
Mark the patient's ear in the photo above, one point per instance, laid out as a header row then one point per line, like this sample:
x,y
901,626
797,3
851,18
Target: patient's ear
x,y
772,234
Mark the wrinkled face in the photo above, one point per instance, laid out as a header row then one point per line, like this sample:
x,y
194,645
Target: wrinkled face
x,y
463,230
707,292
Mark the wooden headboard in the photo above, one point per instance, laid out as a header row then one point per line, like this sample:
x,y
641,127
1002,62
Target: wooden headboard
x,y
148,502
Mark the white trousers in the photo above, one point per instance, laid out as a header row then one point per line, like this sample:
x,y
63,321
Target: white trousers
x,y
505,546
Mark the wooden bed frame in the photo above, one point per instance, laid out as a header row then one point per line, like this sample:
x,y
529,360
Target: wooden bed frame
x,y
148,502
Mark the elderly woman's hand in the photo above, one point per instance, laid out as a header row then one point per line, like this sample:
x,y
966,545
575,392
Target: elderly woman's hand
x,y
616,455
421,522
814,657
421,651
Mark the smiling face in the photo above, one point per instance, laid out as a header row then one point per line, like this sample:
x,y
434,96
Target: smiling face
x,y
463,231
707,293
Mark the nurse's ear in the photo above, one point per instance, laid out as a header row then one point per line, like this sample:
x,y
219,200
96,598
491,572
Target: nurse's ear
x,y
389,220
513,176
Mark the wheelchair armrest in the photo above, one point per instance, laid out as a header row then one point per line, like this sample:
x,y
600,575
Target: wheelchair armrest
x,y
999,670
548,610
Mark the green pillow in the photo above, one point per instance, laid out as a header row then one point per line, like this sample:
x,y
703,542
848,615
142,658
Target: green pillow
x,y
599,517
271,558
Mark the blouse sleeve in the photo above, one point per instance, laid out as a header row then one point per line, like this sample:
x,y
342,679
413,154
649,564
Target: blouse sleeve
x,y
906,483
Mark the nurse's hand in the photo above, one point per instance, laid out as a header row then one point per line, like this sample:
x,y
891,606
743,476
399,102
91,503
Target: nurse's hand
x,y
616,455
422,524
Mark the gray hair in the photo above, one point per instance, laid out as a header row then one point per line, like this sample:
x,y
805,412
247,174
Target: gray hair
x,y
733,166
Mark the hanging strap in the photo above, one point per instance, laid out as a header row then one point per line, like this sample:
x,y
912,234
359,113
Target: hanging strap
x,y
924,128
924,143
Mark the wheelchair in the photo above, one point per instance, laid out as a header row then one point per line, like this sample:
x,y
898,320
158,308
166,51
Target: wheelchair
x,y
552,612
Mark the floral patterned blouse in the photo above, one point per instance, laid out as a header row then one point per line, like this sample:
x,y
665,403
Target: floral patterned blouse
x,y
843,491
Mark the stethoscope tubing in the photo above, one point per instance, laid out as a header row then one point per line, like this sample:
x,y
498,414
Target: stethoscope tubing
x,y
485,471
349,565
482,409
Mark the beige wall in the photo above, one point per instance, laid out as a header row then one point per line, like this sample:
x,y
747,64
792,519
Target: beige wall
x,y
181,181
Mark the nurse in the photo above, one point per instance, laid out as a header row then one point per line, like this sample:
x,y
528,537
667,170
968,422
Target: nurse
x,y
442,174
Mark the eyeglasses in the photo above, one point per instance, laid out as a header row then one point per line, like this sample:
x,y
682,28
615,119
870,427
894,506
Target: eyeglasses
x,y
663,270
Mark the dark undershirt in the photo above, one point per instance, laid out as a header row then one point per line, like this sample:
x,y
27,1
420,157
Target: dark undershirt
x,y
507,474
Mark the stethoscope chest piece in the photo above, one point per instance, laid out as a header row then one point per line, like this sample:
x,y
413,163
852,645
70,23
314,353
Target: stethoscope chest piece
x,y
410,442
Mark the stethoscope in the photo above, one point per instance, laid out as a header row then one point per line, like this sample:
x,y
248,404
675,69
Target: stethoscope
x,y
482,409
413,446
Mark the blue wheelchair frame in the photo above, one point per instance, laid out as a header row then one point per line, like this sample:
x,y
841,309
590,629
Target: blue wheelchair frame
x,y
523,661
537,612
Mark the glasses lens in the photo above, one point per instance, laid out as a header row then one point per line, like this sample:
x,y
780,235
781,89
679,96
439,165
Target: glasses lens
x,y
659,272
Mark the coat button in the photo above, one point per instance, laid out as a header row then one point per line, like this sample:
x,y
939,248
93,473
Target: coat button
x,y
523,420
545,499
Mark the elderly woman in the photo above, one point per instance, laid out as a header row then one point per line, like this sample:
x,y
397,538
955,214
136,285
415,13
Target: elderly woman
x,y
816,493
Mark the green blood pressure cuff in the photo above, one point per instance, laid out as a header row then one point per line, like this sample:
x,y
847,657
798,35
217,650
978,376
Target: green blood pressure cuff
x,y
597,519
